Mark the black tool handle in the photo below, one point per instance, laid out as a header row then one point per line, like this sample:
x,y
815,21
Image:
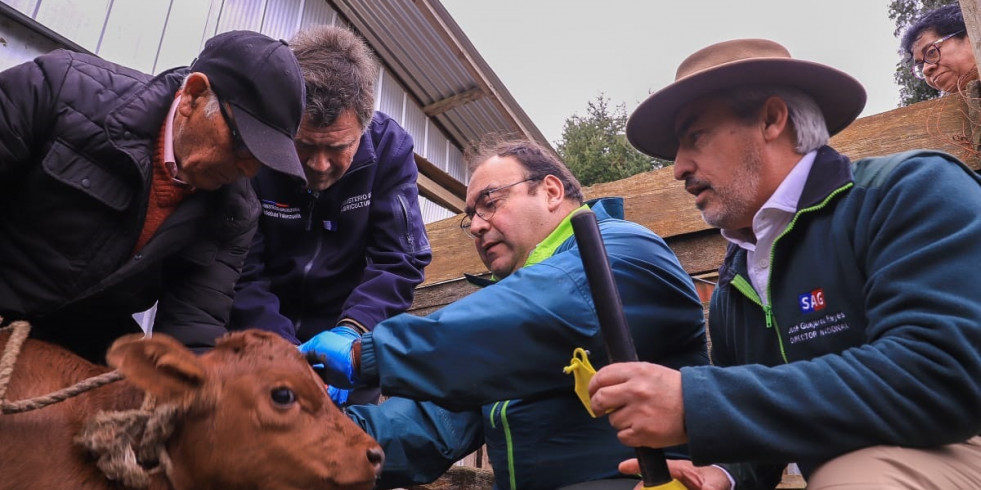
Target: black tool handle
x,y
613,324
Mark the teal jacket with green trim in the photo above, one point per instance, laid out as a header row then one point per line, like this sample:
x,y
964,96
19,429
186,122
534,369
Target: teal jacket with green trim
x,y
498,354
872,331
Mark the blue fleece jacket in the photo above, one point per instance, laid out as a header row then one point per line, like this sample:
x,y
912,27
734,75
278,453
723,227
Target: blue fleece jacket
x,y
872,328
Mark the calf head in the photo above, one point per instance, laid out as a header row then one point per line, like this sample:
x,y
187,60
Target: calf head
x,y
255,415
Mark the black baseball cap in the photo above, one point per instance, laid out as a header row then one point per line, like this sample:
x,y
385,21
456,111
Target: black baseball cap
x,y
260,79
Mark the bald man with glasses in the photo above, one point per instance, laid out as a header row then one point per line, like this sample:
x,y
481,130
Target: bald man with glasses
x,y
496,357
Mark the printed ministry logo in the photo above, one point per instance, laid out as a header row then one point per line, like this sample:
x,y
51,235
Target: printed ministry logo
x,y
356,202
280,210
812,301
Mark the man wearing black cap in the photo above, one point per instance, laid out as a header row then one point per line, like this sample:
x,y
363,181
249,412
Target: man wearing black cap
x,y
118,189
845,326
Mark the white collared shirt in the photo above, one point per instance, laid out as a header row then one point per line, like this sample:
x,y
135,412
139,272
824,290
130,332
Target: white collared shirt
x,y
771,220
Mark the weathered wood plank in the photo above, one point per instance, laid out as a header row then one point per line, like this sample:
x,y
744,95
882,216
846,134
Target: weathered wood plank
x,y
699,253
669,212
453,186
941,124
429,189
461,478
453,252
972,21
453,101
653,199
431,297
657,201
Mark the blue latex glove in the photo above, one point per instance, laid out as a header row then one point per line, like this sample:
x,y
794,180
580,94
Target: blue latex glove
x,y
338,395
333,349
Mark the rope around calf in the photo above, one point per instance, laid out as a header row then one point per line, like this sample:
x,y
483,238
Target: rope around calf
x,y
17,336
20,329
129,444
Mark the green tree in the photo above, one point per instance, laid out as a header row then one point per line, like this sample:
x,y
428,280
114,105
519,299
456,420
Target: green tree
x,y
904,13
595,146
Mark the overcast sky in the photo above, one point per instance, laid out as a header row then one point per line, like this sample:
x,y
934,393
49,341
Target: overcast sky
x,y
556,55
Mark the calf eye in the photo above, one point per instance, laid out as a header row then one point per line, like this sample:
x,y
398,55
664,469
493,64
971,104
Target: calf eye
x,y
283,396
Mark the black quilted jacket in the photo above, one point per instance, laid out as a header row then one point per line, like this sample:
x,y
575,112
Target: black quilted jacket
x,y
77,136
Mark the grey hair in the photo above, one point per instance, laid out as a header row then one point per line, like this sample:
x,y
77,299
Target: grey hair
x,y
340,72
805,113
211,105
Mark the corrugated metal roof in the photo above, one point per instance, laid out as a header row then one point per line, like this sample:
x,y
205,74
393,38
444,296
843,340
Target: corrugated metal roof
x,y
436,63
443,90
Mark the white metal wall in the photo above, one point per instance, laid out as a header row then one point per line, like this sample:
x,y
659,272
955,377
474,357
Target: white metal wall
x,y
19,44
154,35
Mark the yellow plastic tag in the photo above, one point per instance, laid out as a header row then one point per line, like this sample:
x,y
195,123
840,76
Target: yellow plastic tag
x,y
583,371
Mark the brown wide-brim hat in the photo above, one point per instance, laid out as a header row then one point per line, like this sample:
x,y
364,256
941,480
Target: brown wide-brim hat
x,y
741,62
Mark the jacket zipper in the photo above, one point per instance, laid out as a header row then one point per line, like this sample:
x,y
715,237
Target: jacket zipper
x,y
311,206
405,224
512,479
741,284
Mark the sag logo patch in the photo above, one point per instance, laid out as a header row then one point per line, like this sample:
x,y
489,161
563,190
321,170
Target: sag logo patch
x,y
812,301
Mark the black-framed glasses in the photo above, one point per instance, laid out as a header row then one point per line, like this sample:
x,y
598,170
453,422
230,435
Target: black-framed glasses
x,y
931,55
485,206
239,149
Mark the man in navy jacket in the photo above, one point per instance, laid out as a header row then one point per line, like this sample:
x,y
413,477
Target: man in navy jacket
x,y
348,250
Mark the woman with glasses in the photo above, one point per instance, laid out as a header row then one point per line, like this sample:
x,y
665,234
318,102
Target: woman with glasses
x,y
939,50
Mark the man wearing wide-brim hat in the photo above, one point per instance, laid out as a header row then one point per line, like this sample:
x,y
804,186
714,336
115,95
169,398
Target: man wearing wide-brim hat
x,y
845,325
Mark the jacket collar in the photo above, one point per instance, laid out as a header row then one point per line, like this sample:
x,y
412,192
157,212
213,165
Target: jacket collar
x,y
138,118
132,126
830,171
554,240
365,156
607,207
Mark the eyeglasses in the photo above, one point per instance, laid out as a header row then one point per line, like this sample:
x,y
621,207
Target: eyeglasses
x,y
931,55
239,149
485,207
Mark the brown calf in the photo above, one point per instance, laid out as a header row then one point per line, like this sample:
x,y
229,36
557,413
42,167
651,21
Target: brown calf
x,y
251,414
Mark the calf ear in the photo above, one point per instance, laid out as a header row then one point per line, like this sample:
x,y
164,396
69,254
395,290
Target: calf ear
x,y
159,365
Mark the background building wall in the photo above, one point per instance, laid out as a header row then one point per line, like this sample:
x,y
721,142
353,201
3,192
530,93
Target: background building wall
x,y
153,36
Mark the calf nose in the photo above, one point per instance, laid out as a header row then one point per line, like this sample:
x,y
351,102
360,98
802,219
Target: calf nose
x,y
377,458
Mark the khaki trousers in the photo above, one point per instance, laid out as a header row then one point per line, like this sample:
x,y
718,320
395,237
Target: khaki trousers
x,y
951,467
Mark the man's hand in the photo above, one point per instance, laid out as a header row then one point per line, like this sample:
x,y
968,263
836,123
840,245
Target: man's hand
x,y
333,349
691,476
644,403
